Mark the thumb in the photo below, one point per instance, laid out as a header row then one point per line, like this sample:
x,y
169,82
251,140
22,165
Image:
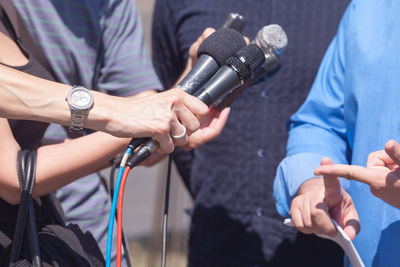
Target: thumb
x,y
392,148
350,219
332,187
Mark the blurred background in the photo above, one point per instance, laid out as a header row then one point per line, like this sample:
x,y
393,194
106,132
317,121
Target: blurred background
x,y
144,199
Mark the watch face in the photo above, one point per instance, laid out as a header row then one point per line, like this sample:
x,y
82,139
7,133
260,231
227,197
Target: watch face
x,y
80,98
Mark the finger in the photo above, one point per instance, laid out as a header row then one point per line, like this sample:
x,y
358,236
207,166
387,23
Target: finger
x,y
181,138
351,222
246,39
186,118
195,105
207,32
219,118
195,46
296,217
306,215
378,158
331,185
392,148
165,143
350,172
321,219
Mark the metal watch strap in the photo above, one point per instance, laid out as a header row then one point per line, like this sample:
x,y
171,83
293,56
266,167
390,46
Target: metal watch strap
x,y
77,120
79,112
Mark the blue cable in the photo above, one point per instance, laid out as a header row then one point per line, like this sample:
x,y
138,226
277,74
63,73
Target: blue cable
x,y
114,207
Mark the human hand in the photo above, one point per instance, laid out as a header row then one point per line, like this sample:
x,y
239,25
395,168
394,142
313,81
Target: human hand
x,y
210,128
320,199
159,116
382,173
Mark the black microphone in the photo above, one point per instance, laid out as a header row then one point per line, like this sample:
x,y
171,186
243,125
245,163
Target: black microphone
x,y
272,39
237,69
212,54
234,21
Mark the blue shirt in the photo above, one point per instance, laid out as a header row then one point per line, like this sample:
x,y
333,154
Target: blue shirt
x,y
352,110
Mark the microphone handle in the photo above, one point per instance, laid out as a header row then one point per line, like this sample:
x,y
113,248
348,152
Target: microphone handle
x,y
234,21
222,82
271,66
203,70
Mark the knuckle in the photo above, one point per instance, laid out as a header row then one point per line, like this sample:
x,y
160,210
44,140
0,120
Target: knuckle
x,y
316,213
194,126
162,129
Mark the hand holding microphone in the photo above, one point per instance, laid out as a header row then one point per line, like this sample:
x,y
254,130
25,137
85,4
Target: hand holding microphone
x,y
167,114
245,65
236,70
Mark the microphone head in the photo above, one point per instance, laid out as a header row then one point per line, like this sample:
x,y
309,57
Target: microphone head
x,y
247,61
234,21
272,36
222,44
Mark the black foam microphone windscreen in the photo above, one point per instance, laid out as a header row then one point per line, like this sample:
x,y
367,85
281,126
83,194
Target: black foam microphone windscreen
x,y
222,44
212,54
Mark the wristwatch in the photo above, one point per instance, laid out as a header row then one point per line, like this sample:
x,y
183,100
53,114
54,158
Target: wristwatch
x,y
80,101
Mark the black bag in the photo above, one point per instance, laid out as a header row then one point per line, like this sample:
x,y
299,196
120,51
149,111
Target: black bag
x,y
42,240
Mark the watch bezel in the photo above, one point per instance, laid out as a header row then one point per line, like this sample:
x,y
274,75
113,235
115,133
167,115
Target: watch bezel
x,y
73,105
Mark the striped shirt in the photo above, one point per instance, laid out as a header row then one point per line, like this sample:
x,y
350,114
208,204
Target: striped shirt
x,y
82,38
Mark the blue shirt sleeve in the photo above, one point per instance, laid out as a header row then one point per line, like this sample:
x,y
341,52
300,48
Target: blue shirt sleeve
x,y
318,128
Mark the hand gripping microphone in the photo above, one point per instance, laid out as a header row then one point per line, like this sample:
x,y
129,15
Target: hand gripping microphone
x,y
212,53
272,40
237,69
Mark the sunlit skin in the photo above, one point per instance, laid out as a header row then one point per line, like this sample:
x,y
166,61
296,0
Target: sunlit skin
x,y
320,199
382,173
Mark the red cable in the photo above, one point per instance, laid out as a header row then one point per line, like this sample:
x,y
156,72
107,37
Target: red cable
x,y
119,215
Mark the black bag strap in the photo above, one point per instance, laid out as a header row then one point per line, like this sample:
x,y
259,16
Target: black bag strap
x,y
17,27
26,169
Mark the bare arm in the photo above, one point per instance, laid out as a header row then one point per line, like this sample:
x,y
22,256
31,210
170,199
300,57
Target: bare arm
x,y
57,165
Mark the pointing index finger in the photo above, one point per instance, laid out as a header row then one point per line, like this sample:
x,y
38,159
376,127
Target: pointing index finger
x,y
350,172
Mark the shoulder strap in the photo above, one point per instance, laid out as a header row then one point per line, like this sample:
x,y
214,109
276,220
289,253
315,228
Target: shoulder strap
x,y
18,28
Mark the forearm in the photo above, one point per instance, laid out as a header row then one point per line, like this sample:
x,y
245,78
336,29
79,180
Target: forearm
x,y
31,98
61,164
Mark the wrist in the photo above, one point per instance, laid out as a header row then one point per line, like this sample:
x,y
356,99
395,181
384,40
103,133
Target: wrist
x,y
102,116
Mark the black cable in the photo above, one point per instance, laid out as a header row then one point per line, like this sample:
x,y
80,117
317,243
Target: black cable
x,y
165,215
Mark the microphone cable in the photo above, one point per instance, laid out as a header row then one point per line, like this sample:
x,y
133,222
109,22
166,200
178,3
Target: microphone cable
x,y
165,215
114,206
119,214
116,162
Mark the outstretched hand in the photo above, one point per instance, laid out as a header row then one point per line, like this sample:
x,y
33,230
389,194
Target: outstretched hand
x,y
318,201
382,173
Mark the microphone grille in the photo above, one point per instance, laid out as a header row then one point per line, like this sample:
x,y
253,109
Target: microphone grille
x,y
247,60
272,36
